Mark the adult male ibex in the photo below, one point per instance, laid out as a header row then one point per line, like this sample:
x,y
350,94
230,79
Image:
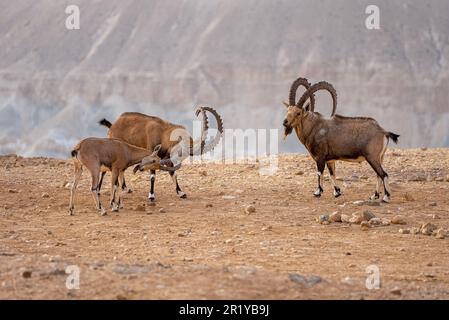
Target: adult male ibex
x,y
113,155
147,131
353,139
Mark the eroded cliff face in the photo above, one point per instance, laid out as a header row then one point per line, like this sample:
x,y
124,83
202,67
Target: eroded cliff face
x,y
165,57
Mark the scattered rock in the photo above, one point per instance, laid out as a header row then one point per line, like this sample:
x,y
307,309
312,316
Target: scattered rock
x,y
439,179
441,233
428,228
27,274
396,291
162,210
323,218
404,231
398,220
45,195
306,282
345,218
267,228
250,209
432,204
228,197
209,205
375,222
335,217
364,225
299,173
409,197
359,217
139,207
386,222
228,241
203,173
13,191
121,297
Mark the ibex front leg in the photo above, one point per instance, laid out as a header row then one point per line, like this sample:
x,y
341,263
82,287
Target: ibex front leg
x,y
151,196
321,164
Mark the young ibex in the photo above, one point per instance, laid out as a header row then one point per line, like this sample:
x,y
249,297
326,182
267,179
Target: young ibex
x,y
353,139
99,155
147,131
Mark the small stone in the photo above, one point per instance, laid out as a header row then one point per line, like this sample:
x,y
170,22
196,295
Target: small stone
x,y
27,274
203,173
299,173
359,217
335,217
404,231
139,207
414,230
267,228
250,209
398,220
386,222
209,205
364,225
409,197
162,210
13,191
345,218
322,218
439,179
396,290
432,204
447,178
428,228
375,221
121,297
228,241
441,233
45,195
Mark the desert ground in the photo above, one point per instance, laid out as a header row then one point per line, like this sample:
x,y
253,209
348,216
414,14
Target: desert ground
x,y
238,235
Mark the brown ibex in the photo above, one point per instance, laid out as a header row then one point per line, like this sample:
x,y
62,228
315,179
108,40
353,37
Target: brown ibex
x,y
97,155
353,139
147,131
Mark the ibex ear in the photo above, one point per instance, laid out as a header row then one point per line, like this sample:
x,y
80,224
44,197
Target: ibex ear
x,y
286,104
156,149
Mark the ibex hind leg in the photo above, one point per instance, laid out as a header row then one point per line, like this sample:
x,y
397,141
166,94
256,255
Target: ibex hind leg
x,y
383,176
95,173
179,192
331,169
76,178
124,186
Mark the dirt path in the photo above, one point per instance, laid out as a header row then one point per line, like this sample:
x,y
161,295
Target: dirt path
x,y
207,247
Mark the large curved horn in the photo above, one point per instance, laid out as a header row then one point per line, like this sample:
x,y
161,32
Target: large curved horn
x,y
294,88
322,85
205,127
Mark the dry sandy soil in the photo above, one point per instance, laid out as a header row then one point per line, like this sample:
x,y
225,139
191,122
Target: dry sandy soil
x,y
206,246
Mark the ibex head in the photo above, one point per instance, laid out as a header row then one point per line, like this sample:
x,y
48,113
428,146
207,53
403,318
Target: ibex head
x,y
294,110
151,162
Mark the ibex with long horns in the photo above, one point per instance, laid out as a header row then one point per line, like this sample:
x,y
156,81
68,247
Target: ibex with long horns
x,y
353,139
147,131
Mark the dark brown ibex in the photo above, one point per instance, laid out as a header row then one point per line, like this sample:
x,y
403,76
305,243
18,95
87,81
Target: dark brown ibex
x,y
353,139
147,131
97,155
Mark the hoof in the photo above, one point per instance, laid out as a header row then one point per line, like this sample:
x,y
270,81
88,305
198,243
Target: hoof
x,y
151,197
182,195
128,190
71,211
386,199
374,196
115,208
317,195
337,194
